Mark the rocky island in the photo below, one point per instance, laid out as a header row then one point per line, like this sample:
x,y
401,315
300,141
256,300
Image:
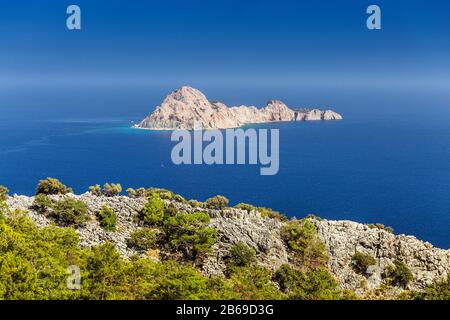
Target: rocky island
x,y
186,107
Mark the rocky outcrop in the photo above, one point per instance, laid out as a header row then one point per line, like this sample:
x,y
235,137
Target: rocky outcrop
x,y
342,240
187,108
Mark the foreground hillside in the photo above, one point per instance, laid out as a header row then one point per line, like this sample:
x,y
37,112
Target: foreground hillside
x,y
153,244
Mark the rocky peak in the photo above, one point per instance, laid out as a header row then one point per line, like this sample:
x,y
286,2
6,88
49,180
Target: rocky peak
x,y
187,106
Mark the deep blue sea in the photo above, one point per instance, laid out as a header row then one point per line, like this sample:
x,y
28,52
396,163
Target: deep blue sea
x,y
388,161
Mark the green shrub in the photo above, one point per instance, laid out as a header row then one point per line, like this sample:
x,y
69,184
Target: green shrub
x,y
381,227
42,203
241,255
179,198
254,283
361,261
190,233
195,204
136,193
301,237
438,290
70,211
143,239
153,211
52,186
245,206
96,190
318,284
3,193
217,202
398,274
112,190
162,193
269,213
177,282
313,217
108,218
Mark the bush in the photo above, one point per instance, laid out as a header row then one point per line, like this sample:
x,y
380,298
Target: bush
x,y
217,202
52,186
381,227
245,206
108,218
269,213
362,261
96,190
241,255
254,283
190,233
195,204
70,211
112,190
301,237
179,198
143,239
136,193
398,274
318,284
153,211
3,193
42,203
438,290
162,193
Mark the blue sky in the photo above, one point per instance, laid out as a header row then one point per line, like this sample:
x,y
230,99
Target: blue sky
x,y
225,42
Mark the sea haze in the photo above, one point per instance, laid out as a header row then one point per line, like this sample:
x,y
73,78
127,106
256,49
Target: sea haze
x,y
388,161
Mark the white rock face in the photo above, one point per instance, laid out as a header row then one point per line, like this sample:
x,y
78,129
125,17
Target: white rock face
x,y
185,107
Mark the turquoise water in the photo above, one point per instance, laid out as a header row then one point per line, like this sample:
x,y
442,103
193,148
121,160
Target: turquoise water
x,y
388,161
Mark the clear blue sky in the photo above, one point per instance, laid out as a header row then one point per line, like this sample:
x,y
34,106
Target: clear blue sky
x,y
225,41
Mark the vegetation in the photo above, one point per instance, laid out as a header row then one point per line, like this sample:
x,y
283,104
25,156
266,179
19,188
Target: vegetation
x,y
270,213
398,274
254,283
34,261
217,202
42,203
439,290
112,190
96,190
52,186
361,261
108,190
317,284
162,193
153,211
108,218
245,206
301,237
70,211
136,193
3,193
381,227
143,239
241,255
190,233
195,204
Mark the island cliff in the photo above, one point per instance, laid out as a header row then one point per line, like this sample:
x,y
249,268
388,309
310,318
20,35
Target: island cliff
x,y
186,107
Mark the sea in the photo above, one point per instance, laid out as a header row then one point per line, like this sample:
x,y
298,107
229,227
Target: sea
x,y
387,162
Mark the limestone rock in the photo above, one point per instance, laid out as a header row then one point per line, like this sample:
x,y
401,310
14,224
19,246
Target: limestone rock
x,y
186,107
